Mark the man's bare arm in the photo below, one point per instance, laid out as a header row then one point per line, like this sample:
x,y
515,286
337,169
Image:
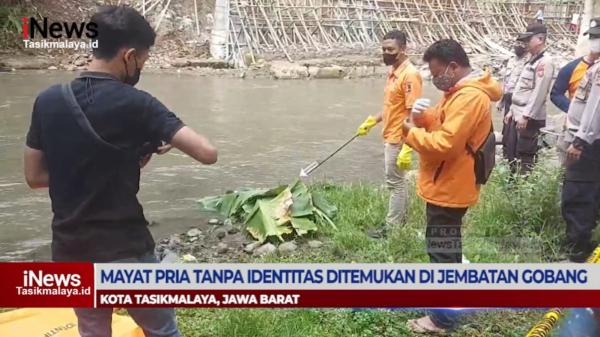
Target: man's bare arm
x,y
35,169
194,145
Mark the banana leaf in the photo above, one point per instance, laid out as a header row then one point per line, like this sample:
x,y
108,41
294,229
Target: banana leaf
x,y
275,212
322,204
270,217
302,205
303,225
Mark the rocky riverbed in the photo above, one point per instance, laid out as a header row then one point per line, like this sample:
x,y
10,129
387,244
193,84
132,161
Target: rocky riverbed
x,y
225,241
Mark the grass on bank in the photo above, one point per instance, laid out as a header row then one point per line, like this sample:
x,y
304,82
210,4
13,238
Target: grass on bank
x,y
515,221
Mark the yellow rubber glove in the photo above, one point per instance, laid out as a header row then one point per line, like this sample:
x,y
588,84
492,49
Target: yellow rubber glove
x,y
366,126
404,160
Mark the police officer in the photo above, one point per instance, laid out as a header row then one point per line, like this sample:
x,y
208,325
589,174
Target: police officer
x,y
580,198
528,109
512,71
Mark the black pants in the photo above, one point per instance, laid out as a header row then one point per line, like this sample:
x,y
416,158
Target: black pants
x,y
509,136
521,147
443,233
580,201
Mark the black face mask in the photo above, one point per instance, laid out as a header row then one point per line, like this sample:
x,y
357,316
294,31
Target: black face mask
x,y
133,79
519,51
390,59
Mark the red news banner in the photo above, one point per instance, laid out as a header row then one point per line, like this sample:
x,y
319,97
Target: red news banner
x,y
299,285
47,285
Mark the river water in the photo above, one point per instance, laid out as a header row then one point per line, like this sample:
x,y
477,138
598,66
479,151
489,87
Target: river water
x,y
266,131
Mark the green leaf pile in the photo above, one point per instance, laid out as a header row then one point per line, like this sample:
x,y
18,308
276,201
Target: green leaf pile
x,y
284,210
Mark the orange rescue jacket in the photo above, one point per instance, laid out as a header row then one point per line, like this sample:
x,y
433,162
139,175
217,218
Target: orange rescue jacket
x,y
463,116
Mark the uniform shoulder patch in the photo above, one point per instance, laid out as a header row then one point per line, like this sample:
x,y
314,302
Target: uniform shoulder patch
x,y
539,70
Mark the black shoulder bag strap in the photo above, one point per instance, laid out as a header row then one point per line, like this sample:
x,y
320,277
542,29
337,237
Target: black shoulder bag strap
x,y
80,117
470,149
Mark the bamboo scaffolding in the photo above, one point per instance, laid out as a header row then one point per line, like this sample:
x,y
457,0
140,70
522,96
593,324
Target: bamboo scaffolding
x,y
289,27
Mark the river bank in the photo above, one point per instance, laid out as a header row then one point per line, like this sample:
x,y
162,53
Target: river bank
x,y
341,67
499,230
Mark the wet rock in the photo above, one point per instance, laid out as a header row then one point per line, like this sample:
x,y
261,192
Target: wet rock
x,y
27,62
314,244
80,62
194,232
287,248
52,68
221,233
228,222
208,63
213,222
232,230
169,257
251,247
222,248
180,63
70,68
283,70
330,72
360,72
265,249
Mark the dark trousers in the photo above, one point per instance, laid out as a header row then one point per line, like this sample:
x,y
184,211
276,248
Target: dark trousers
x,y
443,233
520,148
444,245
155,322
580,201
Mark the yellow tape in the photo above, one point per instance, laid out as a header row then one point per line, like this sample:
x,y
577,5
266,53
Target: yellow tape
x,y
595,257
545,326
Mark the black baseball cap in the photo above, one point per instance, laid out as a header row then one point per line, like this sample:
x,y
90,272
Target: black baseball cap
x,y
533,29
594,27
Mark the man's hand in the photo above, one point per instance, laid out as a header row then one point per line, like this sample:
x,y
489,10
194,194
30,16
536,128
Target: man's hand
x,y
408,124
366,126
164,148
145,160
420,105
573,153
522,123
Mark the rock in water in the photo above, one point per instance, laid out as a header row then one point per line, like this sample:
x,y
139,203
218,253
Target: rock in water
x,y
265,249
287,248
315,244
194,232
213,222
227,222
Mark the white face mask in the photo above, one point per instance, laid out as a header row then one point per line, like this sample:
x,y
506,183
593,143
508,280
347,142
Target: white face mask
x,y
595,46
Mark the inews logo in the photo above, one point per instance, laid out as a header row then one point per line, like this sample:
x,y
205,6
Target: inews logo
x,y
59,284
60,32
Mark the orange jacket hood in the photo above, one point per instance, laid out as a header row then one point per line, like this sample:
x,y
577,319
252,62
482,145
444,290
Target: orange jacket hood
x,y
481,80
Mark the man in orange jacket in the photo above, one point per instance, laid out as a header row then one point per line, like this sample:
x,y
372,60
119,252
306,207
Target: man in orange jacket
x,y
446,180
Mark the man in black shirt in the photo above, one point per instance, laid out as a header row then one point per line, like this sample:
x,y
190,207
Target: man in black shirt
x,y
86,142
